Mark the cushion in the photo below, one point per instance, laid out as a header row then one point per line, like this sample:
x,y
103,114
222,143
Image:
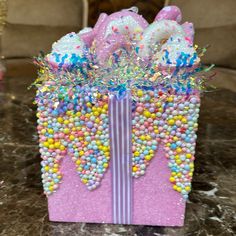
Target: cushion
x,y
45,12
222,50
27,40
34,25
207,13
215,24
225,78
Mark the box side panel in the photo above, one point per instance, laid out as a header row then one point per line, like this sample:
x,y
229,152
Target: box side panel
x,y
154,200
73,202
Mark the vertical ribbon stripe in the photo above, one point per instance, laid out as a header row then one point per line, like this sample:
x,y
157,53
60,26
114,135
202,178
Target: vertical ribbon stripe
x,y
121,158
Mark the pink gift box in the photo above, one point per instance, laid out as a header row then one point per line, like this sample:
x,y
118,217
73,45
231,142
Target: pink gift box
x,y
147,200
119,104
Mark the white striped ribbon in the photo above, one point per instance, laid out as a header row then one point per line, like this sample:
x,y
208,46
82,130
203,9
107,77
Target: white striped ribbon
x,y
120,126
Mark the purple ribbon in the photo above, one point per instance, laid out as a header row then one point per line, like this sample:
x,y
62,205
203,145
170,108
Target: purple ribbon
x,y
120,125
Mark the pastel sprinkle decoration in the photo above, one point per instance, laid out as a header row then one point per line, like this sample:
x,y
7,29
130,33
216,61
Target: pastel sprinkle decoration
x,y
112,95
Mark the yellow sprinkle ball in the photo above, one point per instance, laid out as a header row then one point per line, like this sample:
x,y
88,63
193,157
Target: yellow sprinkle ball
x,y
105,165
178,161
153,116
148,157
178,150
187,188
179,189
81,153
78,162
96,113
51,146
175,187
147,114
179,175
156,131
50,131
43,131
175,138
171,122
50,140
60,119
105,106
176,157
68,113
46,144
105,149
170,99
66,122
51,188
98,142
136,154
172,179
139,93
188,155
142,137
66,131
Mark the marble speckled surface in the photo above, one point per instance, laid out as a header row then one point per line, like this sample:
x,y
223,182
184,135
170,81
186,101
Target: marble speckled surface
x,y
23,210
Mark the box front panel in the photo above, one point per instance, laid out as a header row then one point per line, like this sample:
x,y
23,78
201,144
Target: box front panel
x,y
162,154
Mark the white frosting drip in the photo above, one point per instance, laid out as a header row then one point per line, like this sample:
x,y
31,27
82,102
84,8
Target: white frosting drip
x,y
155,33
70,43
172,50
121,26
66,46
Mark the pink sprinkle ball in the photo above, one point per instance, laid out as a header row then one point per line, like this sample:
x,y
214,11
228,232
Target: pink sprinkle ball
x,y
139,109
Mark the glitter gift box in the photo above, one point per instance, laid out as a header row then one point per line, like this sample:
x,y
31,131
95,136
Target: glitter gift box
x,y
117,119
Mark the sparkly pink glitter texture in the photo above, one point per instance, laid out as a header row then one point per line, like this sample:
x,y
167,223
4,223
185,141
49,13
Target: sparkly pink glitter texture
x,y
154,200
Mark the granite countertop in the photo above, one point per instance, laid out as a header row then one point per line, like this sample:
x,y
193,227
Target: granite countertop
x,y
23,207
